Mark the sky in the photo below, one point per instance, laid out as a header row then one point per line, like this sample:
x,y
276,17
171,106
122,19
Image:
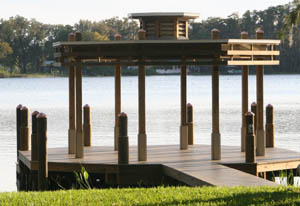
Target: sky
x,y
70,12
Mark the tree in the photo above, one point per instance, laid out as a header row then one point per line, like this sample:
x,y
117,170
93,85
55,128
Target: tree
x,y
25,38
5,50
291,20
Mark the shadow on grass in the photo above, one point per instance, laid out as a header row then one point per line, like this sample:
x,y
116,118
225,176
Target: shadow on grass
x,y
258,198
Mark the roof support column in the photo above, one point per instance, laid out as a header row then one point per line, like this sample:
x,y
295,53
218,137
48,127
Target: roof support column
x,y
215,136
79,133
183,97
245,73
72,117
142,137
117,99
260,133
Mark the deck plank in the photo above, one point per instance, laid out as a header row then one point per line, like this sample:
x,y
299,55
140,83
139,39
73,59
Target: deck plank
x,y
193,166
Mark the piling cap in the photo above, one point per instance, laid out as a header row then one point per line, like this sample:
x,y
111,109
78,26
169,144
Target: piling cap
x,y
122,114
259,31
189,105
35,113
78,36
117,36
269,106
24,108
253,104
142,34
71,37
19,106
244,35
215,30
215,34
41,115
250,114
86,106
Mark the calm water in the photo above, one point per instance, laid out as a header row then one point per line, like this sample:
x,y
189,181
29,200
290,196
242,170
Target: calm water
x,y
50,95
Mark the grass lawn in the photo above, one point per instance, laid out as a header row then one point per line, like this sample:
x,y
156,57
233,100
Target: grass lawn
x,y
159,196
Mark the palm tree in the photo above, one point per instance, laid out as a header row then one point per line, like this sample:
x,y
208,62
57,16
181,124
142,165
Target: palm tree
x,y
291,20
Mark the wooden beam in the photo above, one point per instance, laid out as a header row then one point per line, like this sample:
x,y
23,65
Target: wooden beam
x,y
72,117
79,129
142,137
260,133
117,99
258,53
245,73
215,136
183,101
256,62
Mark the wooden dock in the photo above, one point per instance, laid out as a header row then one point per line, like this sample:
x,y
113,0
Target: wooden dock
x,y
193,167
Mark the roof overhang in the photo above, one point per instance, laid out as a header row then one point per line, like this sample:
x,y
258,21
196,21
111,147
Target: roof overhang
x,y
187,15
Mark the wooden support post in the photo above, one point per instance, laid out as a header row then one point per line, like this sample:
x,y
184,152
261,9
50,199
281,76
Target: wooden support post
x,y
260,133
34,141
87,126
245,73
253,110
24,129
123,150
34,149
18,126
72,117
250,138
190,122
270,139
142,137
117,98
183,101
79,133
215,136
43,152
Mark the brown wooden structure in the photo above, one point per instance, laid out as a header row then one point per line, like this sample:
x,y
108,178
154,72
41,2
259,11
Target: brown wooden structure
x,y
163,40
165,25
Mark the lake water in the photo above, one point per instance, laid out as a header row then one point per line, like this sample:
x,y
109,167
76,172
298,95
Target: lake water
x,y
50,95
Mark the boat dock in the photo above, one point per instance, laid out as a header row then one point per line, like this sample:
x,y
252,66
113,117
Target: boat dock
x,y
193,167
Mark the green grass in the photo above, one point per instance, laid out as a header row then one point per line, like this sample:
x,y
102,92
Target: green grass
x,y
159,196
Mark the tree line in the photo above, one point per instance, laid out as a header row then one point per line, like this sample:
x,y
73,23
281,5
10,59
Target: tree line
x,y
25,44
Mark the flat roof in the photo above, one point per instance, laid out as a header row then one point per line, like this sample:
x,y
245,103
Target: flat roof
x,y
164,14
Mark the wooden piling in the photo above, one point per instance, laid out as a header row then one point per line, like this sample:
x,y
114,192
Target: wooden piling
x,y
24,129
190,122
215,136
183,101
260,133
43,152
87,126
123,150
253,110
79,129
250,138
34,141
270,139
245,73
117,98
142,137
34,150
72,115
18,126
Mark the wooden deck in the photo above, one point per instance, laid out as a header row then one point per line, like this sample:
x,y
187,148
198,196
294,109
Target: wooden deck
x,y
194,166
